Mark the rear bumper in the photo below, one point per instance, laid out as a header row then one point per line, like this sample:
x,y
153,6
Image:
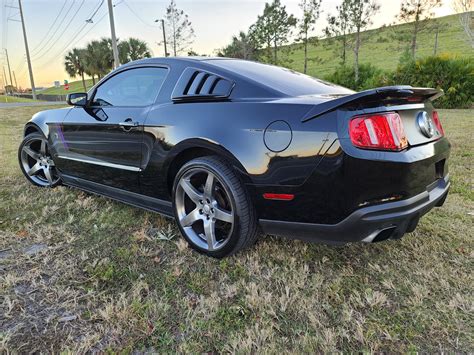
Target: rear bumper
x,y
368,224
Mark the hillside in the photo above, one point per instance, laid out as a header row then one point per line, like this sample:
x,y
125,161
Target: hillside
x,y
74,86
380,50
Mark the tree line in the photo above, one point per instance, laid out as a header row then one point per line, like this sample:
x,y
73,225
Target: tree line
x,y
268,39
96,58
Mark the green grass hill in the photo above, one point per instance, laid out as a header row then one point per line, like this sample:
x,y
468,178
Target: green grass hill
x,y
382,50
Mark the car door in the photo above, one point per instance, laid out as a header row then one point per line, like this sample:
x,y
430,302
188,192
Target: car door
x,y
102,142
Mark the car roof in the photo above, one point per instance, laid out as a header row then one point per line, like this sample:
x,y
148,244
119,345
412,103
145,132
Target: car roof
x,y
171,60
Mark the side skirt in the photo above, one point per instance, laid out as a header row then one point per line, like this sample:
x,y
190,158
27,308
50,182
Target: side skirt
x,y
164,208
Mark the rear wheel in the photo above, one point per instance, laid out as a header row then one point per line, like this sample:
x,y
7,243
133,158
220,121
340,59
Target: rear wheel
x,y
36,162
212,208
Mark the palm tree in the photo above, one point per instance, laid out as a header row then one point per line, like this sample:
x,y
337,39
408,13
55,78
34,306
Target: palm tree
x,y
99,58
106,55
92,51
74,62
133,49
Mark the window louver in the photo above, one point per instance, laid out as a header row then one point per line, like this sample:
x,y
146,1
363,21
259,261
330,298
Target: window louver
x,y
196,84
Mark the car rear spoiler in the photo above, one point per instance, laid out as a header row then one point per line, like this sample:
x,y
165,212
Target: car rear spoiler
x,y
386,93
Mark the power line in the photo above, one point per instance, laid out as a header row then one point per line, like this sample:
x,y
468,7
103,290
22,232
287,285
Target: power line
x,y
89,20
57,29
77,33
51,27
53,44
90,29
136,15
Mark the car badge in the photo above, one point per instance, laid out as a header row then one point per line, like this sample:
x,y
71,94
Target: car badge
x,y
425,123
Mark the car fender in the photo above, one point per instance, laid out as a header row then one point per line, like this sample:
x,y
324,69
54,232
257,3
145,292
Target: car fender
x,y
41,120
206,144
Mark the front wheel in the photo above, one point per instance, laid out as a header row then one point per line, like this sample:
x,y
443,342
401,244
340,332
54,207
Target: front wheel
x,y
212,208
36,162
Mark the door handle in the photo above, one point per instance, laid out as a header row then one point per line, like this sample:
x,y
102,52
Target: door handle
x,y
128,124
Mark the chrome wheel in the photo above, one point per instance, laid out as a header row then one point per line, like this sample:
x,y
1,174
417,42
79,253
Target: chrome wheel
x,y
204,209
37,162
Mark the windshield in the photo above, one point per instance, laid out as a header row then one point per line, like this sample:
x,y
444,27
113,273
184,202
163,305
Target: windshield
x,y
287,81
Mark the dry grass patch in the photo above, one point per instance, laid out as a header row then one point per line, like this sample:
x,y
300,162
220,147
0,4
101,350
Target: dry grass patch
x,y
83,273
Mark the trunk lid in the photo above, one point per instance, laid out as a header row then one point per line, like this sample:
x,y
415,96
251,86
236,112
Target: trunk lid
x,y
412,104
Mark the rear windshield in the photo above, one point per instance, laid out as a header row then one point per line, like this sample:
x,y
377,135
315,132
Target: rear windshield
x,y
287,81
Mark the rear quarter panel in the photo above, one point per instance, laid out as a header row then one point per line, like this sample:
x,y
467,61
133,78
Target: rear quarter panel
x,y
236,128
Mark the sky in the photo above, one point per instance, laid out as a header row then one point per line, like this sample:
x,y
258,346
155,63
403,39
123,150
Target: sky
x,y
55,26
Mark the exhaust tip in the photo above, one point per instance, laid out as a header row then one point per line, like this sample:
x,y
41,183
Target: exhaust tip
x,y
380,235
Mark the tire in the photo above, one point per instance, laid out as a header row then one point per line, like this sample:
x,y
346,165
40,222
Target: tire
x,y
208,195
36,162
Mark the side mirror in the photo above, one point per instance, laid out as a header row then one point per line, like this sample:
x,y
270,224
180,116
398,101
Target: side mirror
x,y
77,99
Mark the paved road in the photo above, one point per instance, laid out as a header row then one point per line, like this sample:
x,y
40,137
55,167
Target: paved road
x,y
26,104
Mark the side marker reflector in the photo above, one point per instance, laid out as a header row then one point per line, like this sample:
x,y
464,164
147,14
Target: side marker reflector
x,y
281,197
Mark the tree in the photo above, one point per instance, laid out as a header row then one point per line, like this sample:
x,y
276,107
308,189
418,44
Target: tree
x,y
272,29
99,58
465,9
417,12
360,13
339,27
92,62
311,11
179,31
242,46
437,27
74,63
133,49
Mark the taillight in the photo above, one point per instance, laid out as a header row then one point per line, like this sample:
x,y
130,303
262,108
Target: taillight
x,y
383,131
437,123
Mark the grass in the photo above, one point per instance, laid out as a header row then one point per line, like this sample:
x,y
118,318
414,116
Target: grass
x,y
83,273
74,86
10,99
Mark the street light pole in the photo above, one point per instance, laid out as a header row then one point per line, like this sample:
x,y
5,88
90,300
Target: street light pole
x,y
164,36
112,30
30,69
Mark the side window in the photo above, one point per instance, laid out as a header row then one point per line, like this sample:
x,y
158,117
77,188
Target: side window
x,y
134,87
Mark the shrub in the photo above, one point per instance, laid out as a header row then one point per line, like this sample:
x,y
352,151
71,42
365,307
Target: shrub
x,y
454,75
344,76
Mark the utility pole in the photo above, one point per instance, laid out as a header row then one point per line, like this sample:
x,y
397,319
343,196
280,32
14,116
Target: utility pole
x,y
30,69
5,87
5,82
9,70
112,30
164,34
14,77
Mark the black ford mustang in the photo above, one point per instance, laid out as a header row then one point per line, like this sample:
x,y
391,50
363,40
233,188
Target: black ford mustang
x,y
227,146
